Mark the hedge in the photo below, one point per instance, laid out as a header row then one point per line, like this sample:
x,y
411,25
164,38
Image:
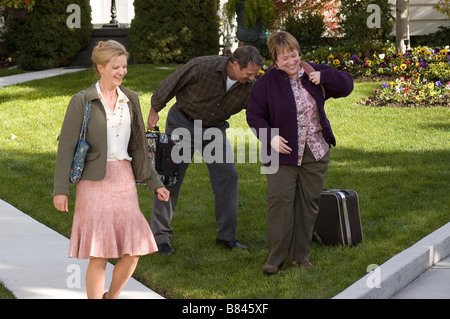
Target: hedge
x,y
44,40
174,31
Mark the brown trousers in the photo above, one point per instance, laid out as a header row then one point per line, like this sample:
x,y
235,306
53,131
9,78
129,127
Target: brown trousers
x,y
293,195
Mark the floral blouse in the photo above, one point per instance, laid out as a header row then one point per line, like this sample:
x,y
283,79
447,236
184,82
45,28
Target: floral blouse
x,y
308,124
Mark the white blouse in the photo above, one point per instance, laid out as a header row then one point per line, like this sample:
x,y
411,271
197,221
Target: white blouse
x,y
118,127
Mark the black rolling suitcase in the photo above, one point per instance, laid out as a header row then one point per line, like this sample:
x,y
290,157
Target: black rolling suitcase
x,y
339,220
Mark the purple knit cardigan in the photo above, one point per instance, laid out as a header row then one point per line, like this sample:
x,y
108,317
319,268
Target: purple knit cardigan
x,y
272,105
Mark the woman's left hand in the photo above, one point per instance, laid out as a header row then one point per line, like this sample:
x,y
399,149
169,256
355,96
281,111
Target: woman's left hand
x,y
279,144
61,203
315,77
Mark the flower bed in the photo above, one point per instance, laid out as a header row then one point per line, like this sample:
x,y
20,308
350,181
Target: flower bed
x,y
411,92
421,75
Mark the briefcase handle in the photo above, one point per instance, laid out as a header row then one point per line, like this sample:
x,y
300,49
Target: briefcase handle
x,y
155,130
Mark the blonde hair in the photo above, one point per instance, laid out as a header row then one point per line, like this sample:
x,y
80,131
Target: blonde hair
x,y
282,41
104,51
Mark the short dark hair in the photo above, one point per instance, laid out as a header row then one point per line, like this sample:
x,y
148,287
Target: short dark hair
x,y
245,54
282,41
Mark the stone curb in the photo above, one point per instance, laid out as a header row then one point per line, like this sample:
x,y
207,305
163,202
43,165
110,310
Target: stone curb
x,y
403,268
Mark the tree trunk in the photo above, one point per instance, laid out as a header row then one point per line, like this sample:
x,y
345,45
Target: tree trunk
x,y
402,26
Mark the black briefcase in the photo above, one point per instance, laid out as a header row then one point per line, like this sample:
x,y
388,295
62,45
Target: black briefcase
x,y
339,220
160,147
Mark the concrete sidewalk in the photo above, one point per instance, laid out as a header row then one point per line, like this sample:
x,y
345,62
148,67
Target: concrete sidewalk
x,y
34,262
37,75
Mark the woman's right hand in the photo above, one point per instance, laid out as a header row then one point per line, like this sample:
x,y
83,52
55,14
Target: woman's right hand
x,y
279,144
61,203
163,194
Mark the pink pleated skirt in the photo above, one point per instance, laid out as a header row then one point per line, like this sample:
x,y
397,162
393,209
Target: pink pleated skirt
x,y
108,222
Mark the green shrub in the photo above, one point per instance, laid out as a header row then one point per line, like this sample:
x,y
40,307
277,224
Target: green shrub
x,y
44,40
174,31
308,29
437,39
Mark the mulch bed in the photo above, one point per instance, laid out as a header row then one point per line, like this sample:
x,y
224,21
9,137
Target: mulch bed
x,y
375,78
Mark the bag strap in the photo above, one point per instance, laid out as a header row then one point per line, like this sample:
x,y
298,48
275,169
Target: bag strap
x,y
87,112
308,69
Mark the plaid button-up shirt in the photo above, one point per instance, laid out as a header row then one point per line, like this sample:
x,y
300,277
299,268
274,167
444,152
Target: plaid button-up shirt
x,y
200,90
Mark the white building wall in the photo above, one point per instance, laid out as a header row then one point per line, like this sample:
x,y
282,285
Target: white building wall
x,y
423,19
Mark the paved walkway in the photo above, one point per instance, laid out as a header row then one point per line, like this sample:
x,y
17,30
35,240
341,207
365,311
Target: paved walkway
x,y
29,76
32,262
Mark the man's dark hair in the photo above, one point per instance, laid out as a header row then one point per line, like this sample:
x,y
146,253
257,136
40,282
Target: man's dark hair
x,y
245,54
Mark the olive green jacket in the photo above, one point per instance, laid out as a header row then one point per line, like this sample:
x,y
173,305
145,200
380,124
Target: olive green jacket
x,y
95,161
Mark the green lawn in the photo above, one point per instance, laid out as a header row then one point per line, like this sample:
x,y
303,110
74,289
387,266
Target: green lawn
x,y
7,72
397,160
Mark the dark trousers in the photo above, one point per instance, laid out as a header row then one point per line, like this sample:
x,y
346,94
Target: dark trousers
x,y
293,195
222,174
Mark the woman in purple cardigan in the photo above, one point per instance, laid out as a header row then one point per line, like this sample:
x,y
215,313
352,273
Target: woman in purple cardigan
x,y
286,110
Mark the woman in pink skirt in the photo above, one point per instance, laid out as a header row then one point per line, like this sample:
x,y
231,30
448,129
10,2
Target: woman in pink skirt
x,y
108,222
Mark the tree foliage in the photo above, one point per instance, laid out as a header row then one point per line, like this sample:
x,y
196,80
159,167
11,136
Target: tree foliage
x,y
327,9
443,6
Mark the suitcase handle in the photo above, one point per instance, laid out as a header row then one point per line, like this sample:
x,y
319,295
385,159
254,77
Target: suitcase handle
x,y
346,218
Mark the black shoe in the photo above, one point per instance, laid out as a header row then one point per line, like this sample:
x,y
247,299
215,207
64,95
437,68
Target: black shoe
x,y
165,249
231,244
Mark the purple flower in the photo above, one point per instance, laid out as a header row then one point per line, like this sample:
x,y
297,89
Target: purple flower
x,y
355,58
385,85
